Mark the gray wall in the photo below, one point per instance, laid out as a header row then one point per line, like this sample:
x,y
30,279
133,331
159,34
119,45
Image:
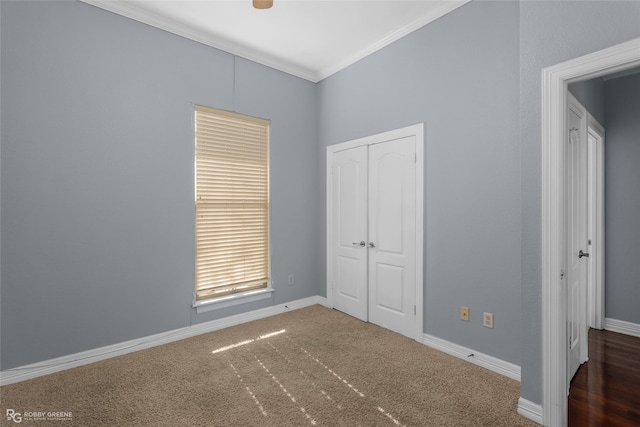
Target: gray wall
x,y
622,198
550,33
459,75
97,176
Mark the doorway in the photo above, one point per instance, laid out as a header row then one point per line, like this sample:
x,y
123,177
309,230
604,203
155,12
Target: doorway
x,y
554,225
374,229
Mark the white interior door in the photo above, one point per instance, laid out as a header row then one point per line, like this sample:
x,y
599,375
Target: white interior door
x,y
349,231
392,235
595,221
577,257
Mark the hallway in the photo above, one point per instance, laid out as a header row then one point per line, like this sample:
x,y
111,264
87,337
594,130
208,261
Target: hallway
x,y
606,390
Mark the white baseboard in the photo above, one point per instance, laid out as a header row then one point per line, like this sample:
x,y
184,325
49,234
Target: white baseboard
x,y
530,410
58,364
526,408
620,326
489,362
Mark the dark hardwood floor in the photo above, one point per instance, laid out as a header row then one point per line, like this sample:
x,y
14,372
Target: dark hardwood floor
x,y
606,390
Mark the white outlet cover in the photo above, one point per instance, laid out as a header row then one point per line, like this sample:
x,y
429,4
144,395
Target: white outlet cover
x,y
488,320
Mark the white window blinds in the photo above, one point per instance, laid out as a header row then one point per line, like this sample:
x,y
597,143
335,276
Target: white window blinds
x,y
232,203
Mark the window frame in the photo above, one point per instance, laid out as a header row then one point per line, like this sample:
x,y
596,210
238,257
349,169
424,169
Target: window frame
x,y
204,304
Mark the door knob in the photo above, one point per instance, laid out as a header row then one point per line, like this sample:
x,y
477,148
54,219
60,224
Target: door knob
x,y
581,254
362,243
372,245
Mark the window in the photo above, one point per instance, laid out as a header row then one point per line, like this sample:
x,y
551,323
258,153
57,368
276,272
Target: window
x,y
232,203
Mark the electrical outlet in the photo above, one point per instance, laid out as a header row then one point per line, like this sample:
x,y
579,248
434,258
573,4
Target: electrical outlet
x,y
291,279
464,313
487,320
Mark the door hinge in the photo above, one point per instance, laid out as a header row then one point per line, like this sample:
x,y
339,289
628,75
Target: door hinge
x,y
414,310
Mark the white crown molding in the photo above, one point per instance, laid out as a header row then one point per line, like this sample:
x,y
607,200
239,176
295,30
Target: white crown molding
x,y
443,9
491,363
622,327
129,10
58,364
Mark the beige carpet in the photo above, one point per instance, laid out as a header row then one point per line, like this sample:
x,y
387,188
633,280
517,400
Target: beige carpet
x,y
313,366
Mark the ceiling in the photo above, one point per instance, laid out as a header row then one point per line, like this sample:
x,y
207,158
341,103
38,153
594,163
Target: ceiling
x,y
311,39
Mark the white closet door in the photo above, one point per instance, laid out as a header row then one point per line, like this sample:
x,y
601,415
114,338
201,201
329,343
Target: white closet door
x,y
349,231
374,229
392,235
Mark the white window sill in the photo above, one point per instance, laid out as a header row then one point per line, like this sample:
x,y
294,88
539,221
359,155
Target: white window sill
x,y
232,300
